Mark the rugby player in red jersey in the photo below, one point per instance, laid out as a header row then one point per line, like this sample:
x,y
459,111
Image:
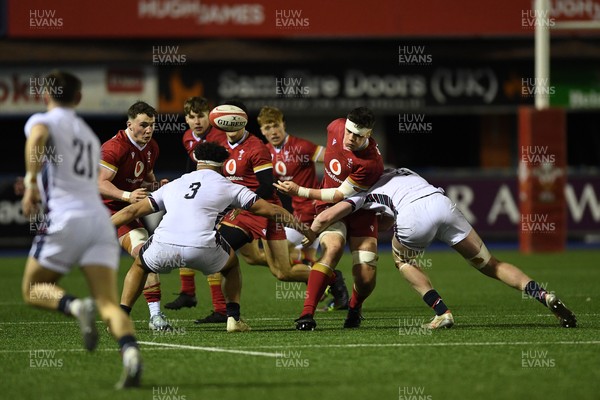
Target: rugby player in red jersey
x,y
249,164
353,164
125,177
293,160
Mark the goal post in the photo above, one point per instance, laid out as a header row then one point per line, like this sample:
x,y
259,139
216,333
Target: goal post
x,y
543,147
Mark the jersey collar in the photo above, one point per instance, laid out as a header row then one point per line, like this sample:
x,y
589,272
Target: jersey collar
x,y
140,148
244,137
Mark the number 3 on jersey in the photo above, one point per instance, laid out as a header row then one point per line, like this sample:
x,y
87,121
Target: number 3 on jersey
x,y
194,189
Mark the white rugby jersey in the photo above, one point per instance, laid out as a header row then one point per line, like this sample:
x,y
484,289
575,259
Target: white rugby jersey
x,y
68,181
395,189
193,203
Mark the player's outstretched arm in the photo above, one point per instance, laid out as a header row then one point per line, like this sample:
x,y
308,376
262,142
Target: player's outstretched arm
x,y
331,195
131,212
330,216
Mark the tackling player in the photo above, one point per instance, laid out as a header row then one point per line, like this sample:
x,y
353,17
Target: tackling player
x,y
421,214
78,230
196,110
127,173
187,235
352,164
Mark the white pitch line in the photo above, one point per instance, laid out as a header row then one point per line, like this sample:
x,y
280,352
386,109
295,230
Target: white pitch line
x,y
212,349
169,346
444,344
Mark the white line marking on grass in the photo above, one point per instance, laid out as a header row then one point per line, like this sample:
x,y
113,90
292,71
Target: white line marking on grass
x,y
212,349
351,345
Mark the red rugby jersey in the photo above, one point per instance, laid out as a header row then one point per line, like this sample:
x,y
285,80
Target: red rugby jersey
x,y
190,141
294,161
363,168
246,158
129,162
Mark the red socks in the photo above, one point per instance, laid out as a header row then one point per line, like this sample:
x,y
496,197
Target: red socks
x,y
218,299
188,285
318,279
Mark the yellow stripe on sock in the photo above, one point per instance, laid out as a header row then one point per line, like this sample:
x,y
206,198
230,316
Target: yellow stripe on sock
x,y
324,268
186,272
214,280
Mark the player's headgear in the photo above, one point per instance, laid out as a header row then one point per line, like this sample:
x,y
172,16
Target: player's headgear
x,y
360,121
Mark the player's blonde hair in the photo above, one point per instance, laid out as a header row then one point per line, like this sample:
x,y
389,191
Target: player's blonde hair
x,y
269,114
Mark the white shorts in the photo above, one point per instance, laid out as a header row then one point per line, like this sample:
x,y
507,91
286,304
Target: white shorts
x,y
164,257
77,239
430,217
295,238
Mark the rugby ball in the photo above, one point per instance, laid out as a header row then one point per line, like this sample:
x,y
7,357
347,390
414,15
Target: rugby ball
x,y
228,118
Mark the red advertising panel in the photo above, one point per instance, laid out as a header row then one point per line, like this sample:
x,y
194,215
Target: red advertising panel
x,y
293,18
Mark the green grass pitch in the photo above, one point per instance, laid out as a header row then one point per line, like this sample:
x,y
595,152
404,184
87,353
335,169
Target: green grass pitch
x,y
503,346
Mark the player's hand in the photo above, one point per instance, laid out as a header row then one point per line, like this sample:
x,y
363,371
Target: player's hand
x,y
152,186
309,237
31,201
138,195
287,187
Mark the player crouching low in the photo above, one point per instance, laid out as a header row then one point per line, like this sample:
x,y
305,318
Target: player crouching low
x,y
421,214
186,236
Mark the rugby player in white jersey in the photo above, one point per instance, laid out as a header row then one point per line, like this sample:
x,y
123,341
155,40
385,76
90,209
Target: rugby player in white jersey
x,y
187,235
422,213
61,158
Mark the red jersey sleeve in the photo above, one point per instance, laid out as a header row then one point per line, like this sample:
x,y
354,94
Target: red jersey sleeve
x,y
112,155
261,157
189,143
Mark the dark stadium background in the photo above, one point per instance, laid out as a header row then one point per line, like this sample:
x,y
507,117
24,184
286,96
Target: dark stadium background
x,y
469,136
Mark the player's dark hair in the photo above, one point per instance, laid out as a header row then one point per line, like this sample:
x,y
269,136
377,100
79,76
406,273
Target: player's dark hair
x,y
141,107
62,86
198,105
237,103
211,151
363,117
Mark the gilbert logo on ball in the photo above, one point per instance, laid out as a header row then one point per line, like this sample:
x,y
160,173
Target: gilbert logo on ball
x,y
228,118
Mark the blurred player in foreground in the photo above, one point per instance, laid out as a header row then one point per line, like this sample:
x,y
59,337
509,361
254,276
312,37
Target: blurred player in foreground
x,y
187,235
352,164
61,156
421,214
126,176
